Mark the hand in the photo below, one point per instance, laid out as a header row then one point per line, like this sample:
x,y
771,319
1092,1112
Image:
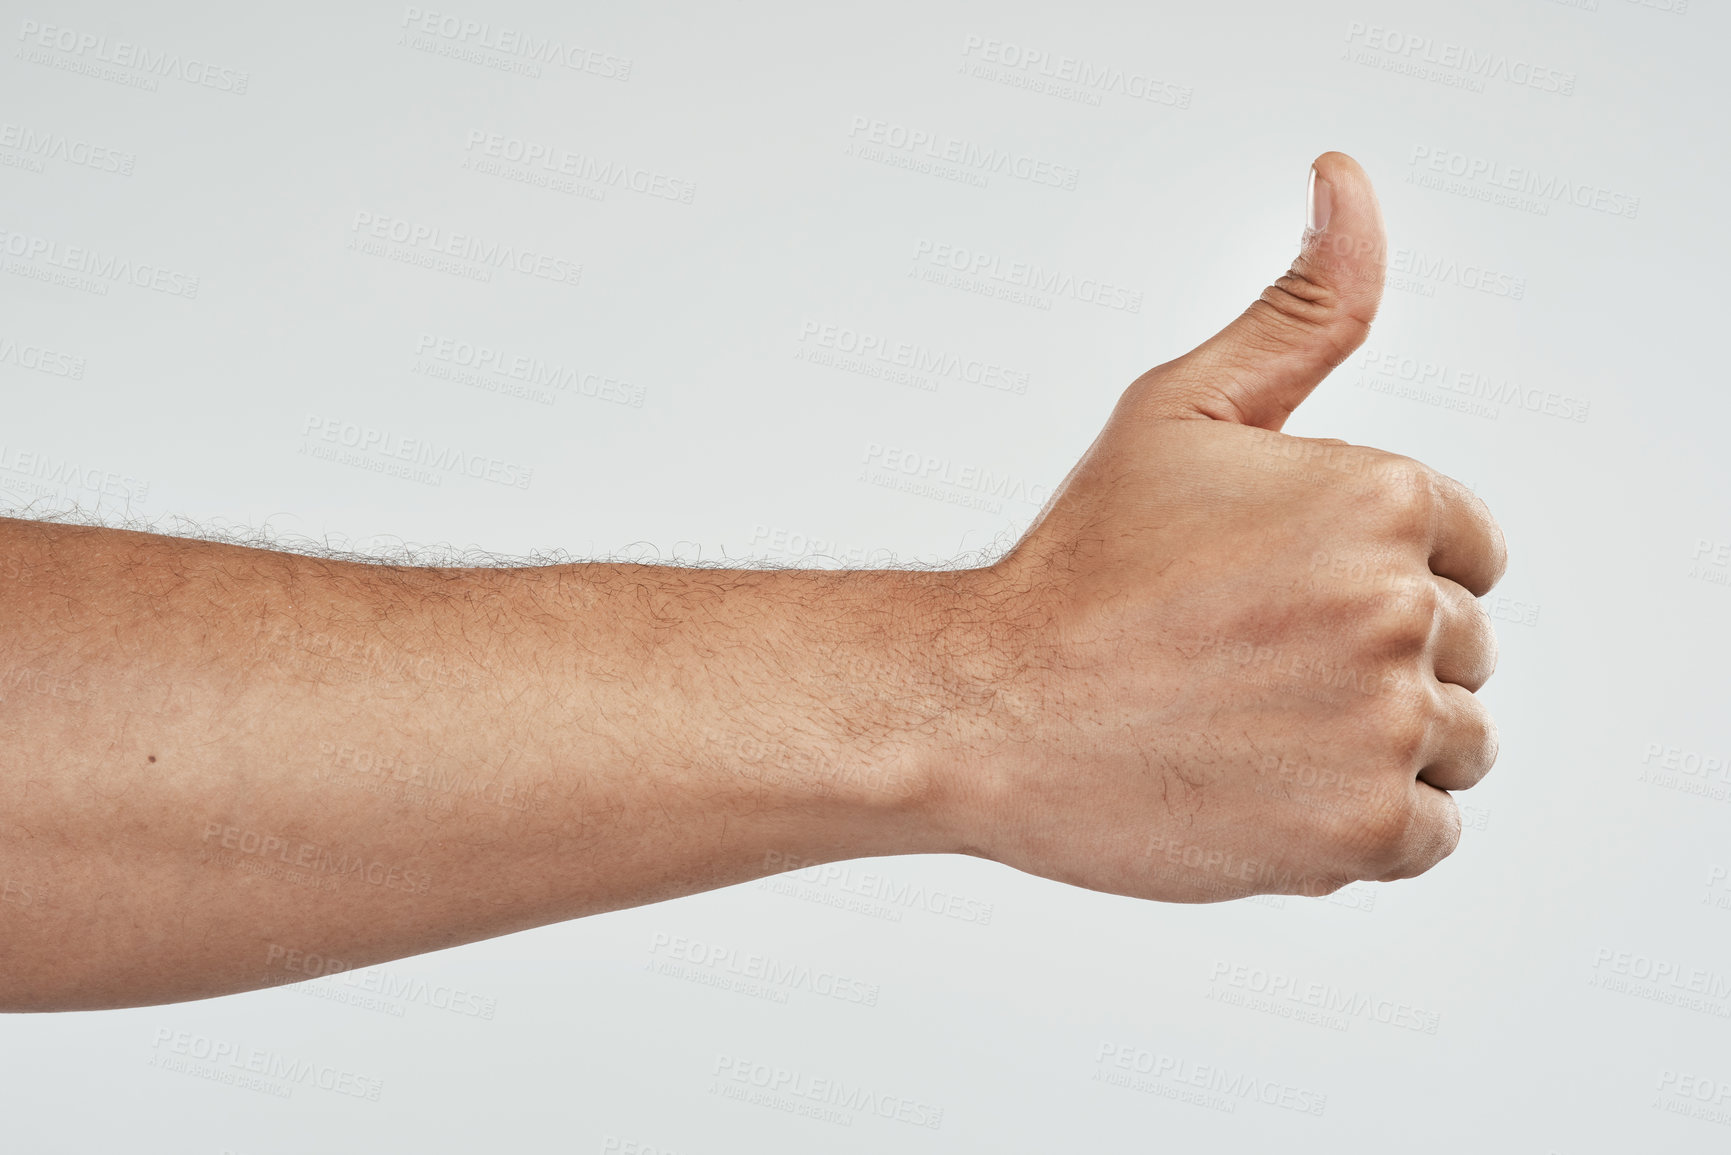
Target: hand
x,y
1246,661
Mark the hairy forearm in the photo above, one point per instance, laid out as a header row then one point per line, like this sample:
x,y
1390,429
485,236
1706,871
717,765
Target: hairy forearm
x,y
212,755
1223,661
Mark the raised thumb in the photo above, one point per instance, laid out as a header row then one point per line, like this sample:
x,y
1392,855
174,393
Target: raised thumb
x,y
1257,369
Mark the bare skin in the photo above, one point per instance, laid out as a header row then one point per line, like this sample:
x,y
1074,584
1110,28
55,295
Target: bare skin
x,y
1225,661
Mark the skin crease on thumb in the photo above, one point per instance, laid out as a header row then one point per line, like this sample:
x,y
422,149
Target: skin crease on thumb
x,y
1259,368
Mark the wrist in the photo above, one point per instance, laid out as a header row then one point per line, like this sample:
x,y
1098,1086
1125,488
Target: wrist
x,y
899,685
823,714
966,694
893,672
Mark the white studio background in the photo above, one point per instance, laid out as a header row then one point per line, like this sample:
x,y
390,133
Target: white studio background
x,y
725,238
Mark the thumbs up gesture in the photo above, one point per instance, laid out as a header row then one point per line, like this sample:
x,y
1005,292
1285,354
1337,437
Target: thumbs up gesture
x,y
1242,662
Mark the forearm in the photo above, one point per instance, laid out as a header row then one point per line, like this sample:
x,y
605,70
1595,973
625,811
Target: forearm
x,y
212,755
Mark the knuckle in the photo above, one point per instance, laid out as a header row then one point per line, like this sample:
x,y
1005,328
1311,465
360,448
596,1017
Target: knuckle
x,y
1409,498
1406,618
1483,628
1403,732
1490,546
1449,837
1472,749
1496,542
1490,742
1414,589
1472,637
1442,844
1421,500
1424,598
1499,564
1137,394
1382,835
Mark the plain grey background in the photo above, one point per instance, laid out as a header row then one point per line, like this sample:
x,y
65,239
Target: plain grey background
x,y
206,318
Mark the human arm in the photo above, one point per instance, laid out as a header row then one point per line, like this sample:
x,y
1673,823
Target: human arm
x,y
216,754
1224,661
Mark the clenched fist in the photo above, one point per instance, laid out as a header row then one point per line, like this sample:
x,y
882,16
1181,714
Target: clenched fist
x,y
1245,661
